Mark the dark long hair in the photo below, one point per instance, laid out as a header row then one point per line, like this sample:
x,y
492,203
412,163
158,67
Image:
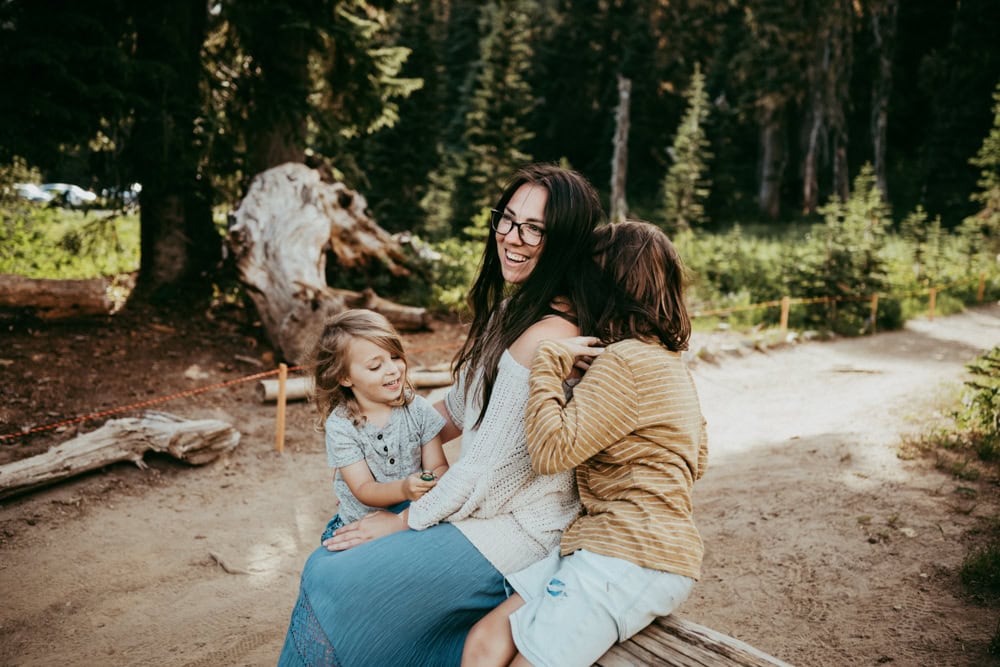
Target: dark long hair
x,y
572,211
642,281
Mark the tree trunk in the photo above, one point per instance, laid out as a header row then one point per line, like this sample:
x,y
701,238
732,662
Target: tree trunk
x,y
810,179
772,160
619,163
883,22
178,239
195,442
841,62
56,299
281,235
276,130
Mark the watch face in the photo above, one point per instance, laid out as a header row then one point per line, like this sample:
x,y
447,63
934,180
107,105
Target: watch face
x,y
427,475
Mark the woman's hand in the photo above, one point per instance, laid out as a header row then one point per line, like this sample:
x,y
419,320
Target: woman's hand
x,y
414,487
375,525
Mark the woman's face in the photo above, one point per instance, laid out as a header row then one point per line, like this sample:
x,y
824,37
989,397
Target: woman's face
x,y
517,259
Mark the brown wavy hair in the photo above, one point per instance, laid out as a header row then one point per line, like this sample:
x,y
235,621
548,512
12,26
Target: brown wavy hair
x,y
643,281
331,361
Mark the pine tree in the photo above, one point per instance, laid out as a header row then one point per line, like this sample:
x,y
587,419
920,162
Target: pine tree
x,y
686,185
495,135
494,140
982,230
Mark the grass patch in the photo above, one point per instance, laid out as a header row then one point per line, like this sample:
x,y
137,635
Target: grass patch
x,y
965,443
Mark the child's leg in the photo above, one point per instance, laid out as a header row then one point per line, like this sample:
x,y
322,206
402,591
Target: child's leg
x,y
489,641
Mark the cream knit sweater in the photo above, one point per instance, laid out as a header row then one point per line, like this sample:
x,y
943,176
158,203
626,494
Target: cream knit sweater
x,y
511,514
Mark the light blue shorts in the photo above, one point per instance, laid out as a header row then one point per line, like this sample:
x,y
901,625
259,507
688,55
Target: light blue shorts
x,y
579,606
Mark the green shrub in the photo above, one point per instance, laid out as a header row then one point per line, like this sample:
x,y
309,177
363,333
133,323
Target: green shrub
x,y
980,414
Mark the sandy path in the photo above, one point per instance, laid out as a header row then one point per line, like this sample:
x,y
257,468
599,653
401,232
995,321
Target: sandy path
x,y
824,548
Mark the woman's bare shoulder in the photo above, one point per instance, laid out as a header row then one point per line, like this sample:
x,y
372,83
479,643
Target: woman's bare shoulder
x,y
552,326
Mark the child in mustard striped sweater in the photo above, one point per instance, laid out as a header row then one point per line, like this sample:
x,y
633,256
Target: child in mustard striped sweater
x,y
635,433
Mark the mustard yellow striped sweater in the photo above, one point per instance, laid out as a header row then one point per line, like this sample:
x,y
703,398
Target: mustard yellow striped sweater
x,y
636,435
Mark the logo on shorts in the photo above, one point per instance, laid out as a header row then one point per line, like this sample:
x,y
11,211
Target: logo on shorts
x,y
556,588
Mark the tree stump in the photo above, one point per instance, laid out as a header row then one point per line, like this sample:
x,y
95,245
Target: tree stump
x,y
281,235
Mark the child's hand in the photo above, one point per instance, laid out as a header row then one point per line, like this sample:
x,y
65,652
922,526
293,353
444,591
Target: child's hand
x,y
414,487
584,348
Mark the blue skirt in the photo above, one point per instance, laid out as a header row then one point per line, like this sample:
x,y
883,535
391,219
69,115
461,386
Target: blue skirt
x,y
409,598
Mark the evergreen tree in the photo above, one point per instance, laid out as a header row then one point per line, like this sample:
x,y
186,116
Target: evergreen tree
x,y
844,259
982,229
495,138
686,185
925,241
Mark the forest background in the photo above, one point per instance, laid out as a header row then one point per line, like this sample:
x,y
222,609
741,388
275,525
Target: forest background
x,y
765,115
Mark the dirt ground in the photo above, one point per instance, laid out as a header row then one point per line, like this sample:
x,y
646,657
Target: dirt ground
x,y
824,546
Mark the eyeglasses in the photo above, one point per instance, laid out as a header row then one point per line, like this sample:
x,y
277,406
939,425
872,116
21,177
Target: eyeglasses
x,y
529,232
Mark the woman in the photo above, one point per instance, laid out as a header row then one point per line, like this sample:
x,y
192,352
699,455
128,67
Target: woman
x,y
410,597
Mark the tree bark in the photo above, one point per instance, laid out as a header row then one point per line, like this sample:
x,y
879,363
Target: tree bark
x,y
56,299
281,235
194,442
772,160
619,163
178,239
671,640
884,19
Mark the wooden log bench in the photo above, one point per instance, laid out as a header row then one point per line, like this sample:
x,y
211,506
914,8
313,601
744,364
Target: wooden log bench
x,y
674,641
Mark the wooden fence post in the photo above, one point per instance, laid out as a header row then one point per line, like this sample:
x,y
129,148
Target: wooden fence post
x,y
785,303
874,312
930,305
280,422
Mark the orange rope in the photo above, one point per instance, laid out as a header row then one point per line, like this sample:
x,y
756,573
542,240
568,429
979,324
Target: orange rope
x,y
444,346
142,404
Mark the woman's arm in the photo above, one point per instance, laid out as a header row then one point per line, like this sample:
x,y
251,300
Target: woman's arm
x,y
551,327
561,435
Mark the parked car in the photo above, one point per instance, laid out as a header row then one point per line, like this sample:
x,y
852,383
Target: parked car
x,y
32,192
124,197
67,194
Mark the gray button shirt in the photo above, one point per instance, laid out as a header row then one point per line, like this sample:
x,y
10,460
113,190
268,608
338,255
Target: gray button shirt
x,y
392,451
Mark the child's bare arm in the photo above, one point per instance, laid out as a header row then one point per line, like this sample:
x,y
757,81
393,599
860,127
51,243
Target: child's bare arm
x,y
432,457
362,484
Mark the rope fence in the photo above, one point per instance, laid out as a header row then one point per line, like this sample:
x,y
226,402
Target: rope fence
x,y
282,371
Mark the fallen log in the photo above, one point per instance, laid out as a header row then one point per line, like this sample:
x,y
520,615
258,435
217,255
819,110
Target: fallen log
x,y
300,387
289,224
674,641
193,441
55,299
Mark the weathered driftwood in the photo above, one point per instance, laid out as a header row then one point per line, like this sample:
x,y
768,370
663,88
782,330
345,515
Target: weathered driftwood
x,y
300,387
55,299
281,234
192,441
675,641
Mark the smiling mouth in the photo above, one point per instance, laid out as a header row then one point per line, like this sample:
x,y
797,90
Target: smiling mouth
x,y
514,257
